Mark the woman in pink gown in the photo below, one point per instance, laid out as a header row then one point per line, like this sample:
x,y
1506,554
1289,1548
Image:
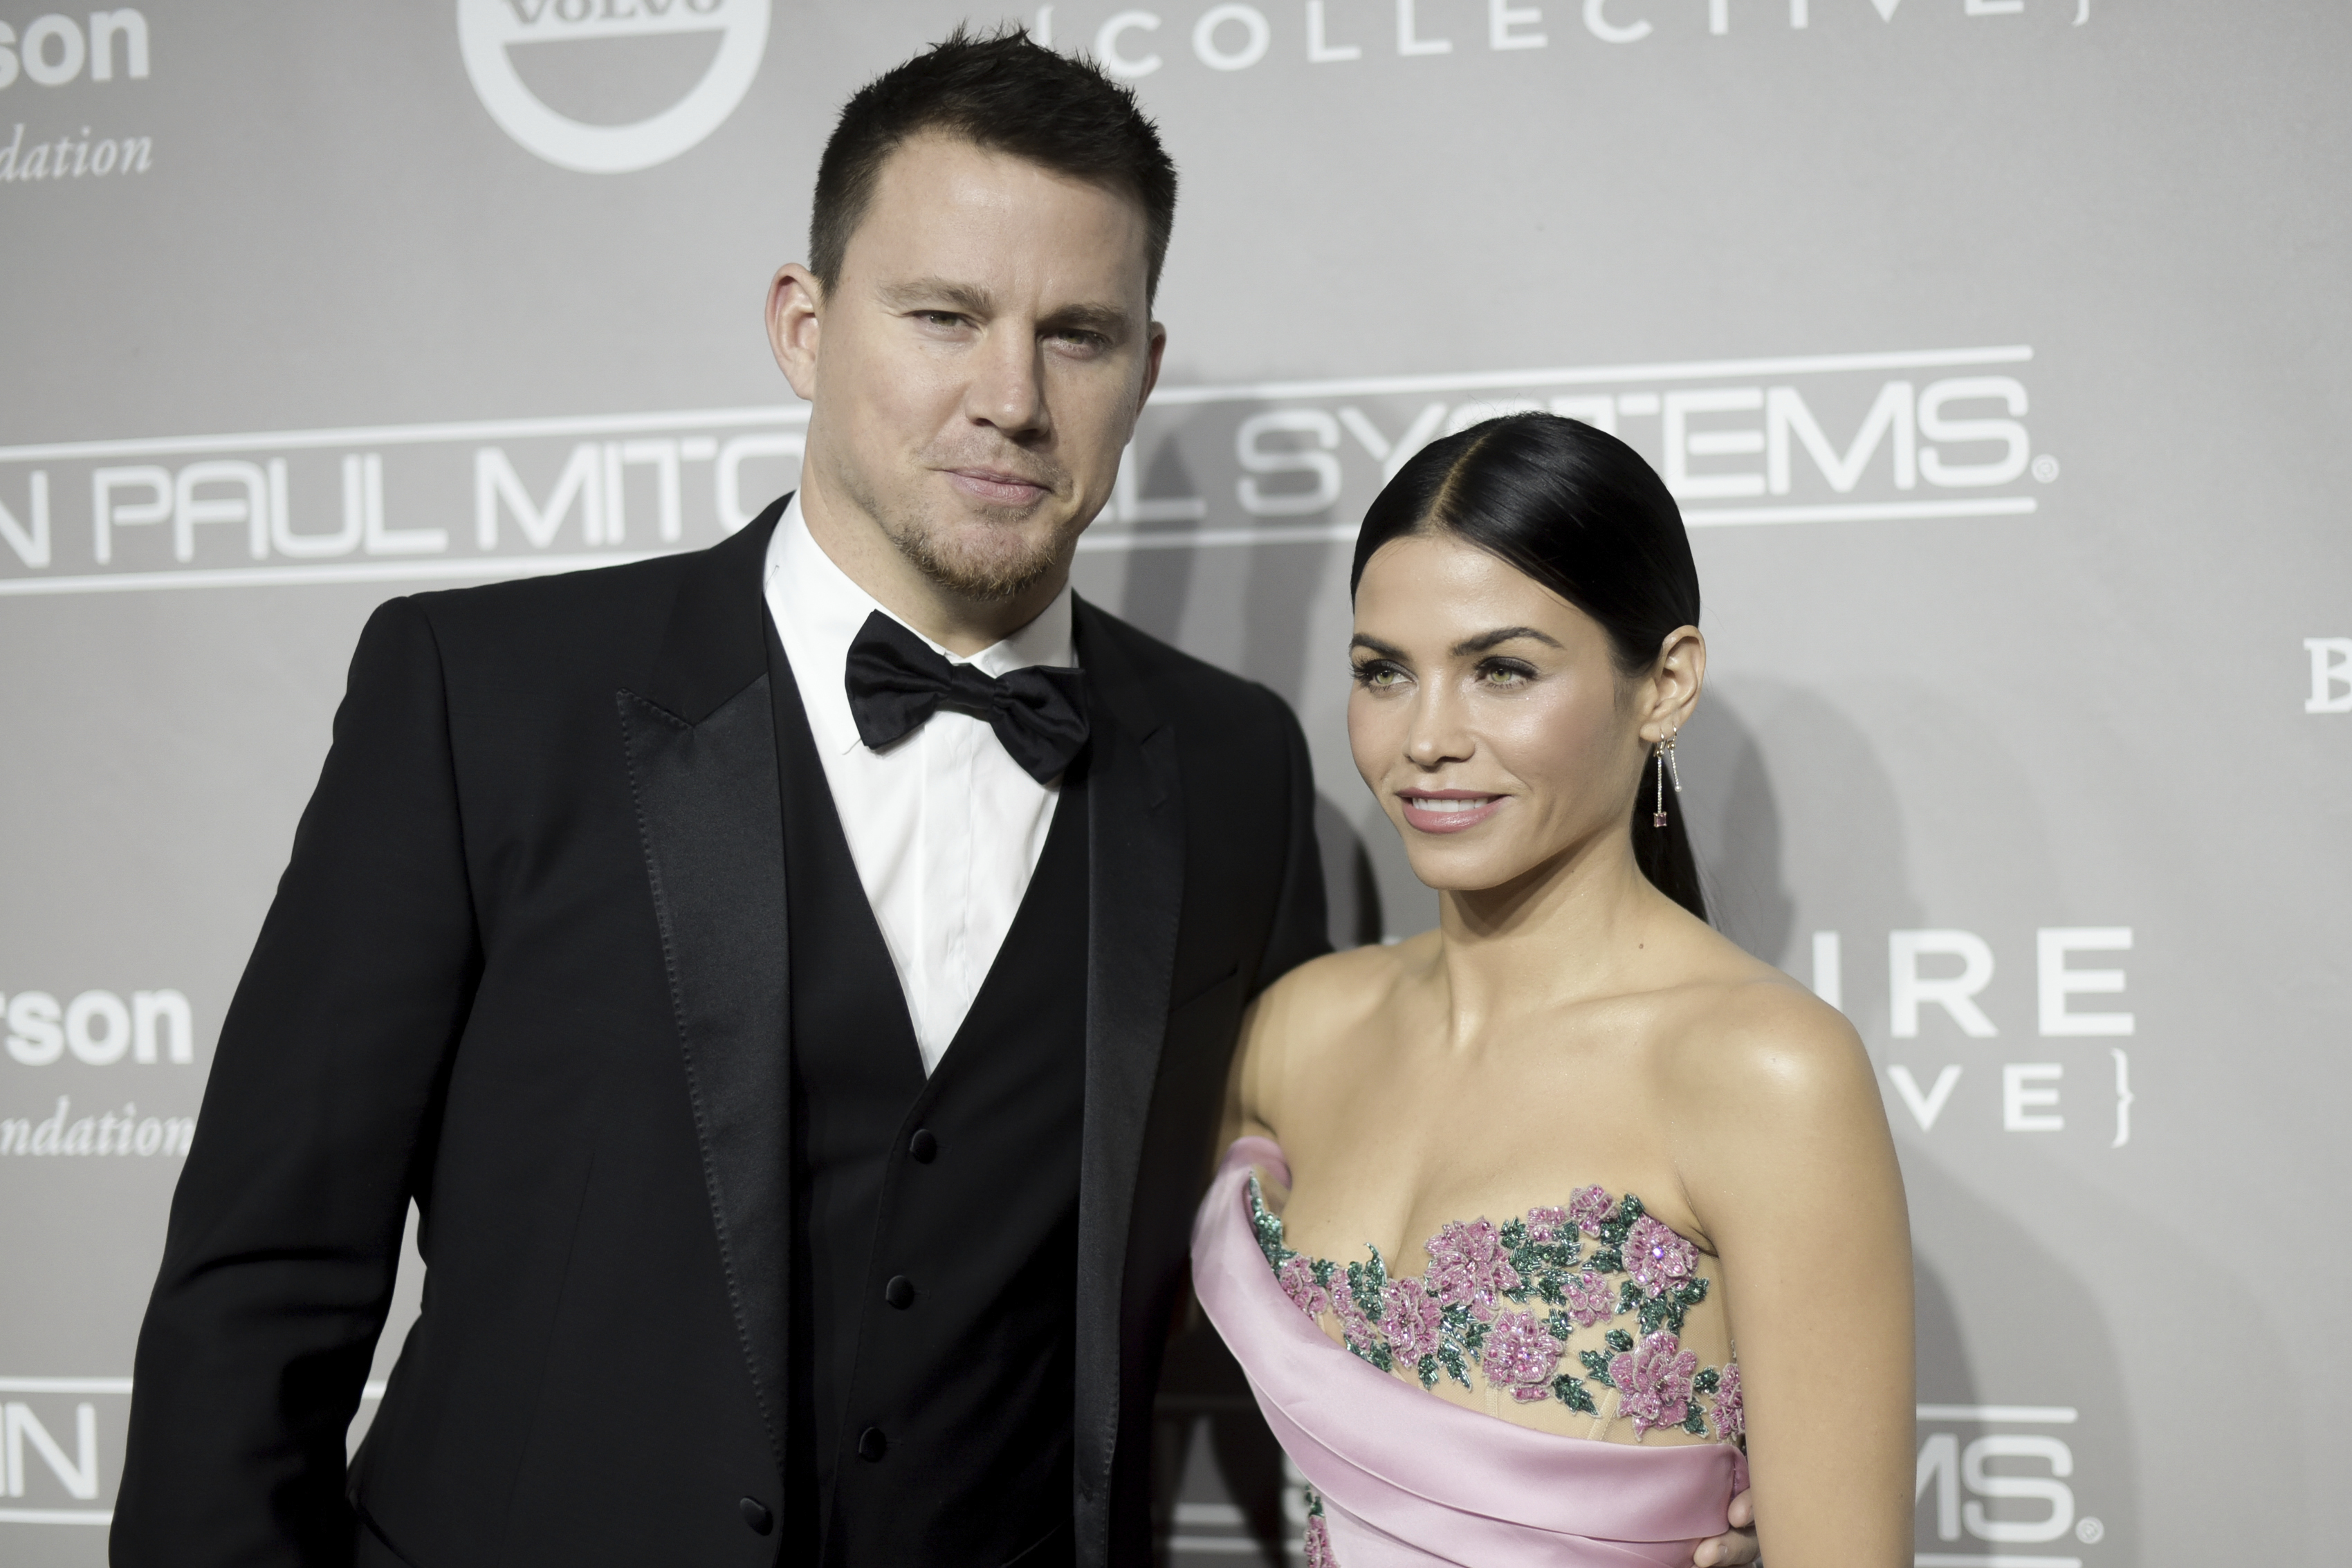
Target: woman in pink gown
x,y
1697,1265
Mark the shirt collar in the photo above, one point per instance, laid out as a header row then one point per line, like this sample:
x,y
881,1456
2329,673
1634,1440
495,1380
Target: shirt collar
x,y
818,612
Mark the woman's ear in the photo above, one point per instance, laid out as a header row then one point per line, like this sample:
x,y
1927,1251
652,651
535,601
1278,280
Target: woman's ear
x,y
1675,682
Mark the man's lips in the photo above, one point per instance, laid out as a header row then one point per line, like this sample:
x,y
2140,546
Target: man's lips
x,y
1448,810
998,485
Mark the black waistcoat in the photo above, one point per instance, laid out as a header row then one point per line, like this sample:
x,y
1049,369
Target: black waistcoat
x,y
935,1222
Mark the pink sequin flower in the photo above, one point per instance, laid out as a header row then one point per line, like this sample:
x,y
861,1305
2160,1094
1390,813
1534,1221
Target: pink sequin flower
x,y
1592,1299
1658,1260
1297,1278
1654,1382
1730,1410
1466,1267
1544,1224
1521,1356
1352,1321
1318,1544
1588,1207
1409,1316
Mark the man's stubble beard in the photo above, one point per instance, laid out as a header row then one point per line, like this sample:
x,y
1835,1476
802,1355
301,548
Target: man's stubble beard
x,y
981,575
990,577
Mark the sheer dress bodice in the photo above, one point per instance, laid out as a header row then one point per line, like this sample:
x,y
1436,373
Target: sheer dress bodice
x,y
1616,1443
1591,1319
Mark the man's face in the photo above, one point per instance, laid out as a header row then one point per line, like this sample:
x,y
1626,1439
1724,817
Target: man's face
x,y
978,366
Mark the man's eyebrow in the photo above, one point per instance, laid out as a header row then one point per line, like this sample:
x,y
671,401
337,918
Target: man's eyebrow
x,y
1108,319
1500,635
1373,645
936,293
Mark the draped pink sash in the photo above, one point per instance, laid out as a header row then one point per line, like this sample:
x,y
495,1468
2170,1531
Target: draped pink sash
x,y
1409,1481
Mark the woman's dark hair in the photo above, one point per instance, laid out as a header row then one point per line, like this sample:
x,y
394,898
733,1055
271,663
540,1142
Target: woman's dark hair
x,y
1580,512
1008,93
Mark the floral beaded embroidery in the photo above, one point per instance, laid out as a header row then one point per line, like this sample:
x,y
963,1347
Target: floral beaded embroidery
x,y
1507,1298
1317,1543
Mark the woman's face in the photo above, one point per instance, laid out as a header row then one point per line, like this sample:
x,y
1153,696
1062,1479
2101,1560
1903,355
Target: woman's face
x,y
1488,716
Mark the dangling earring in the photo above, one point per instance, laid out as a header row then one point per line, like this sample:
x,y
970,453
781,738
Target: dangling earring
x,y
1666,764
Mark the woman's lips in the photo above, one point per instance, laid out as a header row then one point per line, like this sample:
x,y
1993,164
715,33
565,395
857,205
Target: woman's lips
x,y
1447,811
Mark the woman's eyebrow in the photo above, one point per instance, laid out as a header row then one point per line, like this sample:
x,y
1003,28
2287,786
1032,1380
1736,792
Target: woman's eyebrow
x,y
1485,640
1373,645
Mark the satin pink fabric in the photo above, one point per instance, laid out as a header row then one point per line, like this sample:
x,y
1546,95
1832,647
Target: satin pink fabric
x,y
1409,1481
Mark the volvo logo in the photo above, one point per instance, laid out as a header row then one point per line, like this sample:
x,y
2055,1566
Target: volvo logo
x,y
488,29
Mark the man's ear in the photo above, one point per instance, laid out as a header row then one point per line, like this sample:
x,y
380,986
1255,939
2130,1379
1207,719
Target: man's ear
x,y
1155,351
795,306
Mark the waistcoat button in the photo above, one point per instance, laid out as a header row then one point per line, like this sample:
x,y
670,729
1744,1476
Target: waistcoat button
x,y
923,1146
756,1515
872,1444
899,1293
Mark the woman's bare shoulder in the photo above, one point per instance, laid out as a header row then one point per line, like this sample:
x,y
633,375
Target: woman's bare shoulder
x,y
1331,997
1749,1041
1293,1025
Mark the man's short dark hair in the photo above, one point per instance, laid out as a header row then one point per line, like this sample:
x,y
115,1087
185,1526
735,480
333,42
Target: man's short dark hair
x,y
1006,93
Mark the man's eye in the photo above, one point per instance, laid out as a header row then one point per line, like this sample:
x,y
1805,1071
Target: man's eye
x,y
939,319
1085,342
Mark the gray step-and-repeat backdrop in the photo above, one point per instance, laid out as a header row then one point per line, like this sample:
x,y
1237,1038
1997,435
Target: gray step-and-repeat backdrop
x,y
1996,349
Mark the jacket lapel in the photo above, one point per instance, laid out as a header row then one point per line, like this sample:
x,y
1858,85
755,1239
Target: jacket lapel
x,y
1135,893
701,751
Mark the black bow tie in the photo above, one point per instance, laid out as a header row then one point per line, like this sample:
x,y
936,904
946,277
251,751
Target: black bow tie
x,y
895,683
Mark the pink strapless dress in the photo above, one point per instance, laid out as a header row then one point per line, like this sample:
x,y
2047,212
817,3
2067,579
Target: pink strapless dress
x,y
1409,1481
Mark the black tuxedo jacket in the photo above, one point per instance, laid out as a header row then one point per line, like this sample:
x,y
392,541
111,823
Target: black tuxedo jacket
x,y
528,968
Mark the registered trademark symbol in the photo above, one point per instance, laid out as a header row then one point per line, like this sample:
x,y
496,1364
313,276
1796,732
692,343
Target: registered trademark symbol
x,y
2089,1531
2045,468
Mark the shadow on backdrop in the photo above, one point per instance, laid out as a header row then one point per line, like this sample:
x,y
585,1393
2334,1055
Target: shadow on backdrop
x,y
1777,778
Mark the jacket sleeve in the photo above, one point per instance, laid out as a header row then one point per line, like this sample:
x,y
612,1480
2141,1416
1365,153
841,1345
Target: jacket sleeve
x,y
1300,930
314,1133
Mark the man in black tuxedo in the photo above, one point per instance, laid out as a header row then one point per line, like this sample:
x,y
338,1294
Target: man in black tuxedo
x,y
794,981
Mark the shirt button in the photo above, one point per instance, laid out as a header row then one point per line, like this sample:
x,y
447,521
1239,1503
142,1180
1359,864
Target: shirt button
x,y
899,1293
756,1515
872,1444
923,1146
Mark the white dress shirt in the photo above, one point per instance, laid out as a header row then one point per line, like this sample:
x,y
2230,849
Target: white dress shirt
x,y
944,826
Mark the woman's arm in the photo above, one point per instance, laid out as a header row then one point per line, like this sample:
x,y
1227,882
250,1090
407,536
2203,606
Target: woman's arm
x,y
1788,1165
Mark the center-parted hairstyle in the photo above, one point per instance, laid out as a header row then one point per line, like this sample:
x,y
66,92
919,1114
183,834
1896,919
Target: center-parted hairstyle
x,y
1005,93
1578,511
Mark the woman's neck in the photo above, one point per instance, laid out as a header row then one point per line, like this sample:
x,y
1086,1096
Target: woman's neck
x,y
1568,931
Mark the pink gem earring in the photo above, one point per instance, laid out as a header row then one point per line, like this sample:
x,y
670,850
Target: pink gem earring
x,y
1666,765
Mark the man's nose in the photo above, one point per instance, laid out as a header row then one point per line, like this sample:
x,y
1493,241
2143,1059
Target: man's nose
x,y
1008,386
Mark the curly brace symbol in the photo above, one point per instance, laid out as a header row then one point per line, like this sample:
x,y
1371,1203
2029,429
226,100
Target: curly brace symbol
x,y
2124,1095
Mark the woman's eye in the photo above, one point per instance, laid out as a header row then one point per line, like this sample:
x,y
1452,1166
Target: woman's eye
x,y
1505,676
1378,677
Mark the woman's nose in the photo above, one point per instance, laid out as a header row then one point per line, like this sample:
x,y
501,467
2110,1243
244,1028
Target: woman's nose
x,y
1437,735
